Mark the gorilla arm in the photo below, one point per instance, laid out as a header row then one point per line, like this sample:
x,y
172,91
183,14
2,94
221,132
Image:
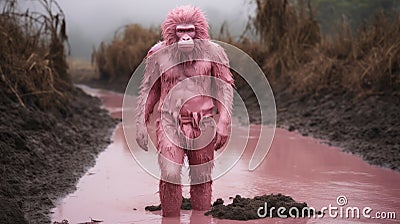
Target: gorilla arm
x,y
224,95
149,95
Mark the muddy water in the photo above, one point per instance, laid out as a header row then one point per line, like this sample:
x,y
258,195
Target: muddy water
x,y
116,189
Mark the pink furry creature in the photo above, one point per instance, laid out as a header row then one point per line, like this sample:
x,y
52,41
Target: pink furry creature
x,y
189,76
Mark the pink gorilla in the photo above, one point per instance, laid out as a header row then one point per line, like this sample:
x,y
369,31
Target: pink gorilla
x,y
170,62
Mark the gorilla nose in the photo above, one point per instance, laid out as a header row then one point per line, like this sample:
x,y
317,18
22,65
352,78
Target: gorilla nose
x,y
186,37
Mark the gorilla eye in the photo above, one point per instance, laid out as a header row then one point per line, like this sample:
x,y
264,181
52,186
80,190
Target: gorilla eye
x,y
185,30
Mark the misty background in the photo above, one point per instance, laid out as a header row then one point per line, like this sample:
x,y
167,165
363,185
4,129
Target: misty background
x,y
91,21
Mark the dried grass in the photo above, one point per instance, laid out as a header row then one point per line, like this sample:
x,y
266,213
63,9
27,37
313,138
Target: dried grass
x,y
297,56
32,56
291,50
118,59
365,63
286,32
81,70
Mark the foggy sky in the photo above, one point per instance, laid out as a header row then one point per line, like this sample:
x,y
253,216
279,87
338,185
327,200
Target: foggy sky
x,y
91,21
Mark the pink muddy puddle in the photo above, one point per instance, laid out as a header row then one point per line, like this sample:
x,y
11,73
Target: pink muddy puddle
x,y
116,189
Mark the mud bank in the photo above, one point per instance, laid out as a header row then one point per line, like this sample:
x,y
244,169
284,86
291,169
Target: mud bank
x,y
42,155
368,126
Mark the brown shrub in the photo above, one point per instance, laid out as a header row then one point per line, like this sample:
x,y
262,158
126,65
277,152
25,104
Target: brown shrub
x,y
365,63
286,32
299,57
119,59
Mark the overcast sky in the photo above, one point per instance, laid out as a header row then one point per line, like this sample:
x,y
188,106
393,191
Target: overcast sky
x,y
91,21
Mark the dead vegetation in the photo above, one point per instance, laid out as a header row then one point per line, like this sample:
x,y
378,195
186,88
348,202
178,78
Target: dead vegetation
x,y
81,70
286,33
33,69
298,56
292,50
295,55
119,59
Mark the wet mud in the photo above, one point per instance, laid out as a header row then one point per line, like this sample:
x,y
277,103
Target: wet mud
x,y
43,155
368,126
186,205
243,208
247,208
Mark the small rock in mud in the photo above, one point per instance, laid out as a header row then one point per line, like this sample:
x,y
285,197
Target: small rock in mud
x,y
62,222
186,205
153,208
246,208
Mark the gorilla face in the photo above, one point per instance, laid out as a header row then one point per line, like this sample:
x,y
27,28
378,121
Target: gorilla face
x,y
185,34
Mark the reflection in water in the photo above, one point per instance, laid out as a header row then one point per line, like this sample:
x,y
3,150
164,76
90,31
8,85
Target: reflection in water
x,y
116,190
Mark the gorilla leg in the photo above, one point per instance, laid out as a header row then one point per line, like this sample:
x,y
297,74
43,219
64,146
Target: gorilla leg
x,y
200,189
170,160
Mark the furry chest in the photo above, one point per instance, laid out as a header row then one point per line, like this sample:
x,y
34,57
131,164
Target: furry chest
x,y
185,70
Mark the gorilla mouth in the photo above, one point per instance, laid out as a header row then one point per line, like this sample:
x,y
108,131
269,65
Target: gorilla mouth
x,y
186,46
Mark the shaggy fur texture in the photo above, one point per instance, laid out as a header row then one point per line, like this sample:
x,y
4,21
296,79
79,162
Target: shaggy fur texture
x,y
184,15
166,67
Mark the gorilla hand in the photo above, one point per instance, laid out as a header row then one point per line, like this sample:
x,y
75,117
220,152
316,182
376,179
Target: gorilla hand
x,y
221,136
142,138
220,141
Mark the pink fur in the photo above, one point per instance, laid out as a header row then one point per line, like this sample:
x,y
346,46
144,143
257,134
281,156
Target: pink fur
x,y
163,72
184,15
